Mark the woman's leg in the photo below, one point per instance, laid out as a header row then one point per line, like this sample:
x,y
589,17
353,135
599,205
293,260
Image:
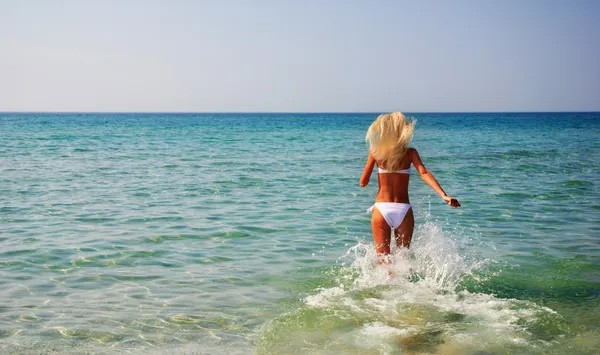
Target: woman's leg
x,y
404,232
381,233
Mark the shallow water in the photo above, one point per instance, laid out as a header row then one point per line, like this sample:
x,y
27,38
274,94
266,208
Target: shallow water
x,y
237,233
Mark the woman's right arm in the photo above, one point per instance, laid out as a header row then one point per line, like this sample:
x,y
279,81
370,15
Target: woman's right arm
x,y
430,179
366,176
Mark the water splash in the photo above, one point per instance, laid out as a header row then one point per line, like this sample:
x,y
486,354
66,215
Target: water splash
x,y
433,259
413,303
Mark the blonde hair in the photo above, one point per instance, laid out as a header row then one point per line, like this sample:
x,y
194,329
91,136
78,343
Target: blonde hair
x,y
388,138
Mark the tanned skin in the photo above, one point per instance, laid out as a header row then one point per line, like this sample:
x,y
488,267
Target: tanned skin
x,y
394,188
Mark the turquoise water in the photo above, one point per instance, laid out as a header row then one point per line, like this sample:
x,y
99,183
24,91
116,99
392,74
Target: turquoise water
x,y
238,233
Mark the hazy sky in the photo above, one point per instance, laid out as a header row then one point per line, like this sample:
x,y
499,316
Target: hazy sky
x,y
269,56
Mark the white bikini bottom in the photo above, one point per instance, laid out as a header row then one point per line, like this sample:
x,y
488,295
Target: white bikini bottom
x,y
393,212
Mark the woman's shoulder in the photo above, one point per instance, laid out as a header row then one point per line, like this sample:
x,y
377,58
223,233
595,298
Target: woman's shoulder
x,y
411,153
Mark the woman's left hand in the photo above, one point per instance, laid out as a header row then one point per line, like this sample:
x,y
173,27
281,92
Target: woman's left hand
x,y
451,201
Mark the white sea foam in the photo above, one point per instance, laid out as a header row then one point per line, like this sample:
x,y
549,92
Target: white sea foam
x,y
415,299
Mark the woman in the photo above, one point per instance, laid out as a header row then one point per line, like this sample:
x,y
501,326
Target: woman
x,y
388,138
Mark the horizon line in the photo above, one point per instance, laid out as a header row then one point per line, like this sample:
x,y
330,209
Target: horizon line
x,y
283,112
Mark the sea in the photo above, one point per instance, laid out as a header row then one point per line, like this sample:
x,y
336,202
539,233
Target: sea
x,y
230,233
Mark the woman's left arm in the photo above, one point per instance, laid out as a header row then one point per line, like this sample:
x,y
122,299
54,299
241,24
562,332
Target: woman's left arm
x,y
364,180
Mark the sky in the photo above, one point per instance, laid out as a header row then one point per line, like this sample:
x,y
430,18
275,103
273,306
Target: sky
x,y
299,56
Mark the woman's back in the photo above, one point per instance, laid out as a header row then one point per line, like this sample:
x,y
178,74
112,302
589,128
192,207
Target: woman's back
x,y
393,185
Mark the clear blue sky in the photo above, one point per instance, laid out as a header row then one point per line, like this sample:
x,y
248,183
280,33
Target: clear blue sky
x,y
273,56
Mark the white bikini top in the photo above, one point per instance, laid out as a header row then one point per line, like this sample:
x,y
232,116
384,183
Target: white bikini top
x,y
404,171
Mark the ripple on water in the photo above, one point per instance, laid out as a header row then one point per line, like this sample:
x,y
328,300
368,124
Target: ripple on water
x,y
578,183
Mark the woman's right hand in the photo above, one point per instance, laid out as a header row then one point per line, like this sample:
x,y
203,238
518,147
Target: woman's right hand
x,y
451,201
